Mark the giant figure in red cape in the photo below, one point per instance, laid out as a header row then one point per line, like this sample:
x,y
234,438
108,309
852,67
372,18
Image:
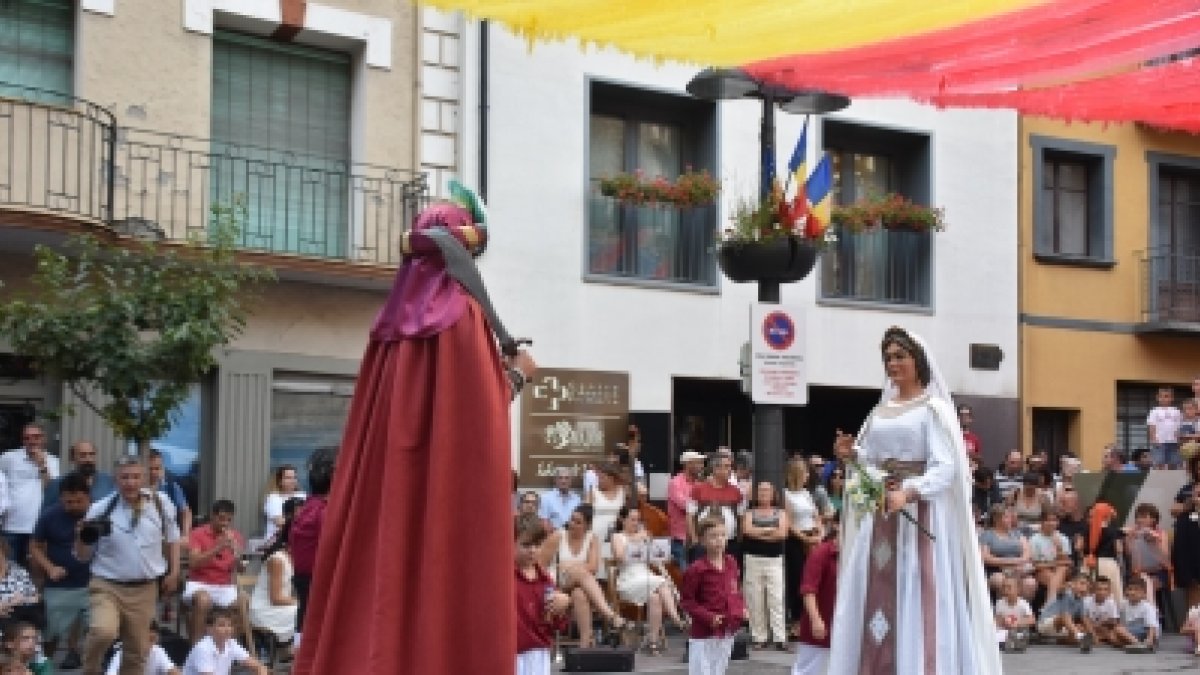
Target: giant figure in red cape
x,y
414,568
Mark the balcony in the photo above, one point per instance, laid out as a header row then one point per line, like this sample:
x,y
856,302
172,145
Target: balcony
x,y
1171,292
65,166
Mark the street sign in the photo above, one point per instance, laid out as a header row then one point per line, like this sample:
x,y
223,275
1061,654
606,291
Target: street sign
x,y
778,372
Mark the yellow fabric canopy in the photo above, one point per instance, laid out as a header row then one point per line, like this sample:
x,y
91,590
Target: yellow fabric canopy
x,y
728,32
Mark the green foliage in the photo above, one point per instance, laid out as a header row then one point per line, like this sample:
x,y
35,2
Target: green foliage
x,y
137,322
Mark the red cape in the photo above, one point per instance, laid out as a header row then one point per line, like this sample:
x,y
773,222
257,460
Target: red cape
x,y
414,569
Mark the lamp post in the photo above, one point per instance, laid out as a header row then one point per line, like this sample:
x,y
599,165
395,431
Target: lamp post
x,y
718,84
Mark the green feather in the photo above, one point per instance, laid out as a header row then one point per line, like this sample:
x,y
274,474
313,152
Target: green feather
x,y
466,198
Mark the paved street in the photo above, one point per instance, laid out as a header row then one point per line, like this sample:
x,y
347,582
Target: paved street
x,y
1038,660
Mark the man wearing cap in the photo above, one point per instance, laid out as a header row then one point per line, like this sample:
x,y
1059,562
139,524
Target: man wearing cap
x,y
679,491
560,501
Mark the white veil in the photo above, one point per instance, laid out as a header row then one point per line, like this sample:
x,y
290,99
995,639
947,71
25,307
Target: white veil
x,y
987,655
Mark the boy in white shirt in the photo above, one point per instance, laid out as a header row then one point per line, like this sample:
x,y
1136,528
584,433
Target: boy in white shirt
x,y
1140,617
1163,427
157,661
1102,617
218,651
1014,617
1064,617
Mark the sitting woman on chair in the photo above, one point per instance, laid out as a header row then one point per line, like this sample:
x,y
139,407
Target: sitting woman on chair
x,y
636,584
273,603
572,556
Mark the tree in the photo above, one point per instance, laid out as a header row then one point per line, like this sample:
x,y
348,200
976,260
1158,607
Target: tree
x,y
128,326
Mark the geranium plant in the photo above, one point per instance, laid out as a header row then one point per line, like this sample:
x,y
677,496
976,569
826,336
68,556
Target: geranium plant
x,y
774,217
890,212
691,189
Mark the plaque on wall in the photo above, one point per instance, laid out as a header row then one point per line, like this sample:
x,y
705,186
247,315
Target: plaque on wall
x,y
570,418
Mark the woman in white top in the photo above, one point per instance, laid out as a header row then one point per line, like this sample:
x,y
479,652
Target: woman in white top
x,y
284,487
636,584
273,602
606,500
572,556
804,532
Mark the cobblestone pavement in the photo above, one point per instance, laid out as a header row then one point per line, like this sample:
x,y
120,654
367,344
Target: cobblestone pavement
x,y
1038,660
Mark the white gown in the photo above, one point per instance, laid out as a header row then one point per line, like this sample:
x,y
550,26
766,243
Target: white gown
x,y
894,639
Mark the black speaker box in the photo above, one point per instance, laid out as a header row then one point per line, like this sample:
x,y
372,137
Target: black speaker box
x,y
598,660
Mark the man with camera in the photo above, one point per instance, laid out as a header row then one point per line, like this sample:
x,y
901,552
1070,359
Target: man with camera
x,y
131,539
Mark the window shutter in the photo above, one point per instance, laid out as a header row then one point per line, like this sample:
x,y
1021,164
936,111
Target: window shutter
x,y
37,45
281,137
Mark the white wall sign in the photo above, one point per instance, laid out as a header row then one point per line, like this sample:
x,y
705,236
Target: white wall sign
x,y
779,373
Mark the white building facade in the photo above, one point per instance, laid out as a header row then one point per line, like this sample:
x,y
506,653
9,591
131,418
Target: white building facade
x,y
609,289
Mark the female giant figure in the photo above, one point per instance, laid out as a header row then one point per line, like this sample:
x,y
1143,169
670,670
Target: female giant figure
x,y
912,603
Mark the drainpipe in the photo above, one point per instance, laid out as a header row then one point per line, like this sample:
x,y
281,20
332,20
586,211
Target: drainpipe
x,y
484,104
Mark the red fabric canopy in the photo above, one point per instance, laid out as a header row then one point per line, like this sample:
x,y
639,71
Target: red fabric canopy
x,y
1014,60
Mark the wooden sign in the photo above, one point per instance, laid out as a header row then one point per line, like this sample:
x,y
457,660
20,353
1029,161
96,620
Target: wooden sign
x,y
570,418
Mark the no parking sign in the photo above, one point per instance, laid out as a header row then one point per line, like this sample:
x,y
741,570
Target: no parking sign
x,y
778,372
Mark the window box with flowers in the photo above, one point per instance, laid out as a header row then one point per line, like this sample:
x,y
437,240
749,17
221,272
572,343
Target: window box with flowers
x,y
654,228
883,252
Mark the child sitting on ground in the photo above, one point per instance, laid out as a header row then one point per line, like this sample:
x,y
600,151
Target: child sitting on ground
x,y
541,610
1063,618
1191,628
218,651
1014,617
1102,616
1140,617
710,596
157,661
21,646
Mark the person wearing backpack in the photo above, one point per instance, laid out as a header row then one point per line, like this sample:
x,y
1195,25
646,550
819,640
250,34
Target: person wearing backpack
x,y
130,539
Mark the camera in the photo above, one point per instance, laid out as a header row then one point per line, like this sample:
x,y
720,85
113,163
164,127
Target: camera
x,y
91,530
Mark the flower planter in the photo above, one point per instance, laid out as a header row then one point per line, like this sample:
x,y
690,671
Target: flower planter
x,y
783,259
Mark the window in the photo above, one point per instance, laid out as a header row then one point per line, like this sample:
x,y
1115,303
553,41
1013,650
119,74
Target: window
x,y
1134,401
307,412
660,135
887,266
281,138
37,45
1172,265
1072,201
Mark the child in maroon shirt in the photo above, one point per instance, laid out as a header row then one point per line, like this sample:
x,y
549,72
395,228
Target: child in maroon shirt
x,y
818,587
711,598
541,609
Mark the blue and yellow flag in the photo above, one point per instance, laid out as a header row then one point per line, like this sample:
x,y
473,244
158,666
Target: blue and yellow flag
x,y
796,165
820,195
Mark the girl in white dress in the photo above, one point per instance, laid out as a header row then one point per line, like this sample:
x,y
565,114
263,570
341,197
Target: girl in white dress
x,y
607,500
637,585
273,601
910,603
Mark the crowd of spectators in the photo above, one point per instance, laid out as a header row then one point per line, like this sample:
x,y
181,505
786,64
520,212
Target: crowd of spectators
x,y
1060,571
90,560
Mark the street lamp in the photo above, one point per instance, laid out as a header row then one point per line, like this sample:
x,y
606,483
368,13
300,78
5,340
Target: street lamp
x,y
722,84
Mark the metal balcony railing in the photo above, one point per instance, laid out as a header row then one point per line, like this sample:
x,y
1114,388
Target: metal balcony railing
x,y
66,155
55,153
1171,287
